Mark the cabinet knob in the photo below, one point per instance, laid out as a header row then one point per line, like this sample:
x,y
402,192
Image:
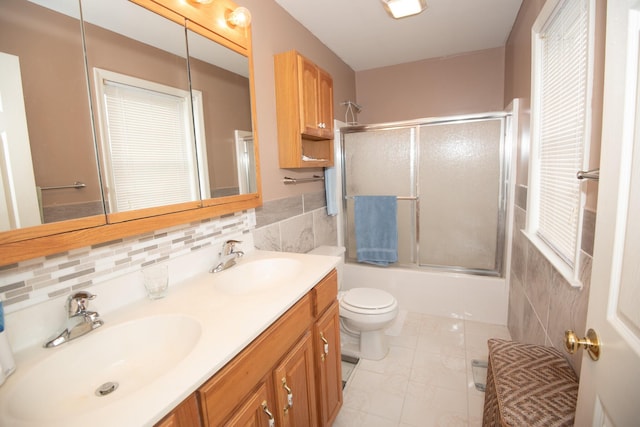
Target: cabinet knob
x,y
322,125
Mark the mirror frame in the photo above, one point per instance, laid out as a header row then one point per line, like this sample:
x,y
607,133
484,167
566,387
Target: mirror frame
x,y
32,242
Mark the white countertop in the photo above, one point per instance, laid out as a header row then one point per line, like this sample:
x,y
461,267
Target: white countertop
x,y
228,324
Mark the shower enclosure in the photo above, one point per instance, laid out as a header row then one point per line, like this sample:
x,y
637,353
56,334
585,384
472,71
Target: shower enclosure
x,y
449,176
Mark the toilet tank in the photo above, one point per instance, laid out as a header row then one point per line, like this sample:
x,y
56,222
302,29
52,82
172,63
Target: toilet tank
x,y
332,251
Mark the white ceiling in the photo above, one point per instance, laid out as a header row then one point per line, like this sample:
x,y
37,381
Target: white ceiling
x,y
364,36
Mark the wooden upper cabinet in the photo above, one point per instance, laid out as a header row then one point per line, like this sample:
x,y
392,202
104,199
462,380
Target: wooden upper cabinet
x,y
304,108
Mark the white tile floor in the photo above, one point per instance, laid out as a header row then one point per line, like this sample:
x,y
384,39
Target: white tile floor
x,y
425,380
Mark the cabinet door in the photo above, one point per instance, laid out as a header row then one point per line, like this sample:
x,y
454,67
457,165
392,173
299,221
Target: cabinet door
x,y
295,386
309,97
185,415
325,103
327,347
255,412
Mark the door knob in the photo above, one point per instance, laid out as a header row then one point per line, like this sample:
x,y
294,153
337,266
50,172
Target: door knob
x,y
591,343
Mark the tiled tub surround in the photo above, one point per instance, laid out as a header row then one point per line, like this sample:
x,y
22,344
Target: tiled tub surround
x,y
542,304
295,224
37,280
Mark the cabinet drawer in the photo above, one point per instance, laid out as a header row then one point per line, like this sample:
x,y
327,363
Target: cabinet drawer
x,y
325,292
221,394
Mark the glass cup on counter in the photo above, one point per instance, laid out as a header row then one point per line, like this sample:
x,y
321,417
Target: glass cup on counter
x,y
156,280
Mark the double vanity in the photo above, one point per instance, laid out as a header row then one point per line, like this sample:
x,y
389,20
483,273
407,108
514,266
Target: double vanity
x,y
257,342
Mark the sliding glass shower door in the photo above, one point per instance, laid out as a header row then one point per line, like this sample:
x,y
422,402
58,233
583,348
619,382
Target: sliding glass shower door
x,y
449,177
382,164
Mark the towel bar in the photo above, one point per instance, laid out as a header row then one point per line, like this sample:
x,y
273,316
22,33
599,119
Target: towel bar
x,y
398,197
76,185
288,180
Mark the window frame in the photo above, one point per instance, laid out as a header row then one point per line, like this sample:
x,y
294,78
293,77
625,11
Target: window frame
x,y
570,272
193,132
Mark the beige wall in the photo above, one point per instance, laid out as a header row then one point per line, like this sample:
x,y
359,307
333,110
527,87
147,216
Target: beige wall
x,y
49,46
275,31
460,84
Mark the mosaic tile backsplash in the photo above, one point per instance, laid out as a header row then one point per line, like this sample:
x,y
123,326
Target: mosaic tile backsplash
x,y
293,224
33,281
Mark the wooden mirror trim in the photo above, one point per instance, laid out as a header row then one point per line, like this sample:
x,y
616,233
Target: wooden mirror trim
x,y
206,16
47,245
32,242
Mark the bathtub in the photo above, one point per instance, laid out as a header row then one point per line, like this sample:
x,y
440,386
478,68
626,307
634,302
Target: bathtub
x,y
463,296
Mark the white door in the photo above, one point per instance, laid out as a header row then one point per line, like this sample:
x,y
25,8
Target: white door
x,y
609,392
19,205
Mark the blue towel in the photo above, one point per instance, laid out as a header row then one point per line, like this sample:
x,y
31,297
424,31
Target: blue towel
x,y
331,190
376,223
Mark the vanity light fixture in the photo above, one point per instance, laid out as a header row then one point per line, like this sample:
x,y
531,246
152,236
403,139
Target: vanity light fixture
x,y
240,17
403,8
201,1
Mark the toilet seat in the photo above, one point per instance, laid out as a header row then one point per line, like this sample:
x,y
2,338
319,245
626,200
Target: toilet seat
x,y
368,301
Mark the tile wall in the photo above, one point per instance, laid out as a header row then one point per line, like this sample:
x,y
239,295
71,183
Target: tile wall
x,y
37,280
295,224
542,304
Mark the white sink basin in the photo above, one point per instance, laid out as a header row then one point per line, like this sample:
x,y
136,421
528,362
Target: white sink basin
x,y
132,354
257,275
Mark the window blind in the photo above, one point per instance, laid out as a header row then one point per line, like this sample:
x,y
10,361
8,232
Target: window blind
x,y
562,131
150,146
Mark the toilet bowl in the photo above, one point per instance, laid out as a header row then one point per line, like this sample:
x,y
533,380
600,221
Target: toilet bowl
x,y
365,313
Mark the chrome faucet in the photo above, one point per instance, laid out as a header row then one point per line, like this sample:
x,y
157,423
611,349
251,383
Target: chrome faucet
x,y
229,255
79,320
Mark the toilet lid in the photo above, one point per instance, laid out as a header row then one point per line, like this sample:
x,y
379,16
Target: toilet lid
x,y
368,298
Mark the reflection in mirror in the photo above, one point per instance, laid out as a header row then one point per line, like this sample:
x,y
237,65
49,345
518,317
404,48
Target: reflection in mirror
x,y
138,67
48,168
222,112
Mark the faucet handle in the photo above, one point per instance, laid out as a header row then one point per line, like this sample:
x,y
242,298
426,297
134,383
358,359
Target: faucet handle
x,y
78,302
229,246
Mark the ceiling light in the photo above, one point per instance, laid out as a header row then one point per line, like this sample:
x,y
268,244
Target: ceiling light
x,y
240,17
402,8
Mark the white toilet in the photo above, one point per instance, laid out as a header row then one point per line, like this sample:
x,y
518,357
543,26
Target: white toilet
x,y
364,312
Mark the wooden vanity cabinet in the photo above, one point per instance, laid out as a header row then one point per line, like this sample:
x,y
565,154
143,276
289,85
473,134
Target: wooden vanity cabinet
x,y
299,355
294,379
254,411
187,414
329,365
326,331
223,395
304,109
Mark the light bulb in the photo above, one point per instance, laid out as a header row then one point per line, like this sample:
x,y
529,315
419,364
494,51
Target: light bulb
x,y
240,17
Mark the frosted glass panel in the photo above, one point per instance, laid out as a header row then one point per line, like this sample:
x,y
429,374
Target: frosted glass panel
x,y
448,177
380,162
459,184
406,231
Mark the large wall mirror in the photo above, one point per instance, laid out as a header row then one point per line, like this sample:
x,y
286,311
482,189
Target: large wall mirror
x,y
48,167
222,111
141,122
137,62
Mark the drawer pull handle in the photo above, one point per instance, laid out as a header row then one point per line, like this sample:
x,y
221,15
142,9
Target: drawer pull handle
x,y
326,346
289,395
265,409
